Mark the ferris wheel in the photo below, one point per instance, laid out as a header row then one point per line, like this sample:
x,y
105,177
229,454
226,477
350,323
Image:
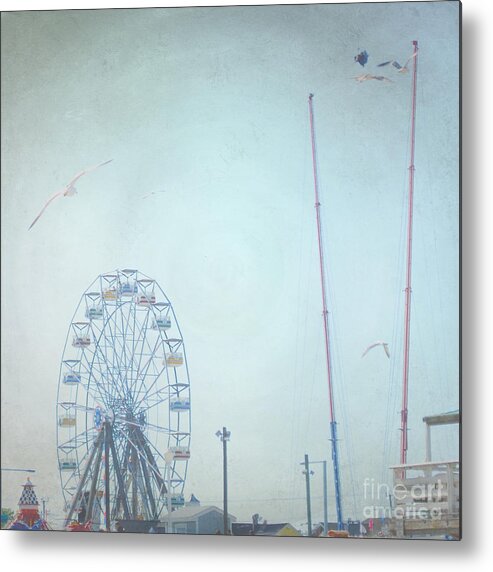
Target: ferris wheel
x,y
123,405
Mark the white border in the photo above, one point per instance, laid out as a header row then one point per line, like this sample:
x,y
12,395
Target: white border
x,y
63,551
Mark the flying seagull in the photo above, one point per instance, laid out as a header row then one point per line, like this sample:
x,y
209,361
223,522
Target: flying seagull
x,y
385,346
153,193
397,65
68,191
367,76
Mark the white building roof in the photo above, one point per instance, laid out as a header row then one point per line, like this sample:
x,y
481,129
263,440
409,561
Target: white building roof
x,y
188,513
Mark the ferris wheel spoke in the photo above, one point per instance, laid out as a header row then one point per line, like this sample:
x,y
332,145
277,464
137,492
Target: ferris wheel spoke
x,y
152,466
157,343
146,395
140,340
119,346
158,477
129,328
89,351
145,373
152,357
156,451
99,396
156,403
108,351
109,368
125,322
129,348
75,442
133,364
91,365
167,430
137,332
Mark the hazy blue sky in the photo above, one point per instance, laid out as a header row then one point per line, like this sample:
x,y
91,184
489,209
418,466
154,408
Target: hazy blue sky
x,y
210,105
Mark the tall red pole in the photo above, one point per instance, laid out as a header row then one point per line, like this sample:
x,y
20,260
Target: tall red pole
x,y
333,424
321,261
407,310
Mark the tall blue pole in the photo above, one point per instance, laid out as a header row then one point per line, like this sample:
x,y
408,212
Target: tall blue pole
x,y
325,313
337,482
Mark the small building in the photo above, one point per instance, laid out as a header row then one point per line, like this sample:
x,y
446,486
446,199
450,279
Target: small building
x,y
264,529
195,519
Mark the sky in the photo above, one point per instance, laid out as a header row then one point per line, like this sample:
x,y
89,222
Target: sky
x,y
210,105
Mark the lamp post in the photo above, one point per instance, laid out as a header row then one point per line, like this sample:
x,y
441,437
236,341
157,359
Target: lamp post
x,y
225,436
308,474
44,500
326,515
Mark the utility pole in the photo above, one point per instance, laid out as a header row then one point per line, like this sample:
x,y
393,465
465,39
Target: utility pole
x,y
307,474
225,436
326,509
43,513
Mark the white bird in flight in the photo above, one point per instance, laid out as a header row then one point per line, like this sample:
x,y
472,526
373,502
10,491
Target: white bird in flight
x,y
68,191
397,65
368,76
153,193
385,346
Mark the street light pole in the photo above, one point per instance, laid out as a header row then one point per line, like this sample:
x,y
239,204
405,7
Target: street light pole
x,y
225,482
43,513
308,497
326,515
225,435
307,463
326,510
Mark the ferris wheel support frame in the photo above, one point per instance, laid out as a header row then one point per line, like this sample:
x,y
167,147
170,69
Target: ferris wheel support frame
x,y
105,444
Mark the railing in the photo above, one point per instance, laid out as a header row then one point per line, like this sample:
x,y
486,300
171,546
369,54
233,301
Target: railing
x,y
426,497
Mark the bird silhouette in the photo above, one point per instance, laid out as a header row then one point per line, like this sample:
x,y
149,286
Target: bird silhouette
x,y
397,65
367,76
385,346
362,58
152,193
